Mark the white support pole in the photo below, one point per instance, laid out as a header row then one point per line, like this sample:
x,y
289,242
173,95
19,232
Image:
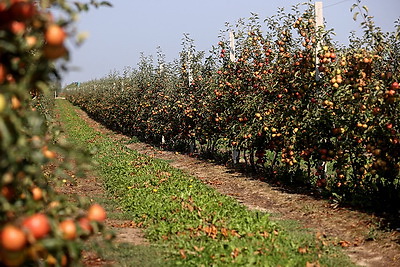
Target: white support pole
x,y
235,156
232,55
161,68
319,23
189,64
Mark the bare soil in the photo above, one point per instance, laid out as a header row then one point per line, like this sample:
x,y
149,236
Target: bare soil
x,y
357,232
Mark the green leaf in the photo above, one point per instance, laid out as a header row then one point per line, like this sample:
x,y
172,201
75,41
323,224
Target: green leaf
x,y
81,7
355,16
105,3
52,243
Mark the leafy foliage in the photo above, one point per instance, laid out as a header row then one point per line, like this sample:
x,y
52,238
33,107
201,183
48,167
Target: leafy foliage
x,y
291,100
31,212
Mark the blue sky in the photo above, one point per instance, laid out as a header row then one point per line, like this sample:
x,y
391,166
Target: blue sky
x,y
119,34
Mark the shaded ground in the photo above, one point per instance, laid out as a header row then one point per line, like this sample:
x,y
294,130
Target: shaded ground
x,y
359,233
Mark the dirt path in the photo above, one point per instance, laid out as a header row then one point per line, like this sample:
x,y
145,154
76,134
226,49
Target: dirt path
x,y
357,232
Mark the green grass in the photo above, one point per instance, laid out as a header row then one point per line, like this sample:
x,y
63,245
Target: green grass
x,y
189,223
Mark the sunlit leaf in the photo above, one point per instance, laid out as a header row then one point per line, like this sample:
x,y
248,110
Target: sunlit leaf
x,y
355,16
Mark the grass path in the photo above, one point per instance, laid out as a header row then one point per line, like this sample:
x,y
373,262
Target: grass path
x,y
187,222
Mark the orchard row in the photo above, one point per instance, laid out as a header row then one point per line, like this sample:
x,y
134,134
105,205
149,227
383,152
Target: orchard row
x,y
287,96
